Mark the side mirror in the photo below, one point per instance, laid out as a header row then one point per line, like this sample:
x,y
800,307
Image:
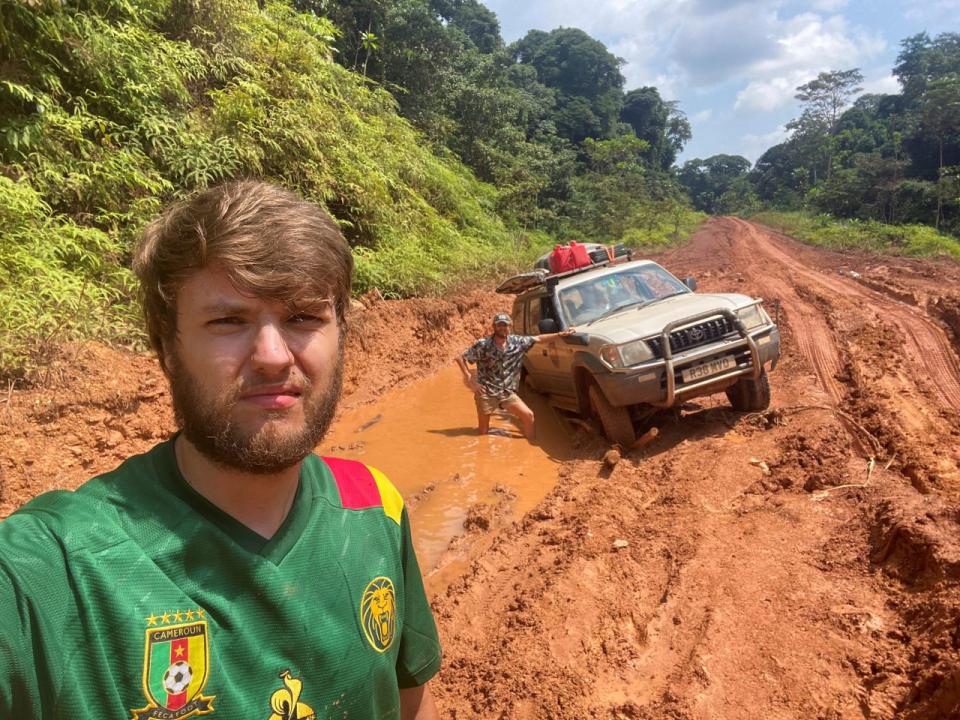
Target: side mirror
x,y
690,283
547,326
577,339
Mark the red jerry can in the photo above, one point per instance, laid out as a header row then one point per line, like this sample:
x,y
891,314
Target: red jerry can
x,y
581,258
561,259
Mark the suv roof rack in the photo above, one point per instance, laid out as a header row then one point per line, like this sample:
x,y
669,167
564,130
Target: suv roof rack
x,y
528,280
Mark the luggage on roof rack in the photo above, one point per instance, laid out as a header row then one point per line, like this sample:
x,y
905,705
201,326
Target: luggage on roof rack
x,y
569,257
596,253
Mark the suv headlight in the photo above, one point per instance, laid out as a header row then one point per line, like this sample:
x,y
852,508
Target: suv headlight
x,y
753,317
631,353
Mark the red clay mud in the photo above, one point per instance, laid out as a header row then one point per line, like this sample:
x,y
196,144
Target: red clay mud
x,y
798,563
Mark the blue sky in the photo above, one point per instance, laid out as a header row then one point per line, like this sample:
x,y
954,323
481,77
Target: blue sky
x,y
733,65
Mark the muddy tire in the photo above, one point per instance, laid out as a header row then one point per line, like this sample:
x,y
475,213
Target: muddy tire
x,y
749,394
615,421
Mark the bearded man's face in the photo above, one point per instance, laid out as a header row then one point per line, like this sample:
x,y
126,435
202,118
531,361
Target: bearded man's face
x,y
255,383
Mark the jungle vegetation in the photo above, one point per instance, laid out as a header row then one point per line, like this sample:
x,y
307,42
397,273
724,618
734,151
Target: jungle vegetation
x,y
883,170
442,152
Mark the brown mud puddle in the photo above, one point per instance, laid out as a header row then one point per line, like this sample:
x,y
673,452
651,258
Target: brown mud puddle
x,y
424,437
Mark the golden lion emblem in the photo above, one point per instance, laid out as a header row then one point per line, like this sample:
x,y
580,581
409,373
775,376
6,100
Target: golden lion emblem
x,y
378,613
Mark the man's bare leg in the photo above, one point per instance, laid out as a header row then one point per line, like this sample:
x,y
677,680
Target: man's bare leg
x,y
518,408
483,423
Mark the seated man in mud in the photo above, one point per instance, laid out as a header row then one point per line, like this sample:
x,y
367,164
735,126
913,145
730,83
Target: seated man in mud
x,y
498,358
228,570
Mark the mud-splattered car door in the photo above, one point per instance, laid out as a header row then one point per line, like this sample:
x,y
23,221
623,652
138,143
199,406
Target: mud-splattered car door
x,y
542,360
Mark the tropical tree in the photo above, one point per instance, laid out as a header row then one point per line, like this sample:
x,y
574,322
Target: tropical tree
x,y
661,124
940,110
585,76
707,181
822,100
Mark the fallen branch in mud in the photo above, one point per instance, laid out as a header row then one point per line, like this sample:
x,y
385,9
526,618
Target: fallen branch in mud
x,y
870,465
877,446
826,491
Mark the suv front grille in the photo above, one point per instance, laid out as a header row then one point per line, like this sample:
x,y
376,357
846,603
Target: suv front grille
x,y
693,336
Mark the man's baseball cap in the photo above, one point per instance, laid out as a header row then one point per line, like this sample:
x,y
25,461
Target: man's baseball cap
x,y
502,318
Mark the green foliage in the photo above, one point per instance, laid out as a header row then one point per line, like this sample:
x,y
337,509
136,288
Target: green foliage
x,y
891,158
869,235
659,123
661,225
58,280
717,184
585,76
617,199
160,103
109,110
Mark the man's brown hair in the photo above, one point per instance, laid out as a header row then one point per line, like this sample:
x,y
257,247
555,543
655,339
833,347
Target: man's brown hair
x,y
269,241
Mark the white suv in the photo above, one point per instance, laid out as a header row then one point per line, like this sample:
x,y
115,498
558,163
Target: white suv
x,y
645,340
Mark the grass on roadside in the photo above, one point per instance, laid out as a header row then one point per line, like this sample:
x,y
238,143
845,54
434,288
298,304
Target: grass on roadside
x,y
665,230
867,235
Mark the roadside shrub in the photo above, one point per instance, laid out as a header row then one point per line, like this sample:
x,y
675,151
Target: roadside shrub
x,y
663,229
112,110
58,281
866,235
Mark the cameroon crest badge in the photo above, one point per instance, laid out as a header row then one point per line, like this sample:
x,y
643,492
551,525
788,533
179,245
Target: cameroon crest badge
x,y
378,613
176,664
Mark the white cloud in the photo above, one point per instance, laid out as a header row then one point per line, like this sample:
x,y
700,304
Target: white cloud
x,y
743,59
753,46
933,13
753,146
882,85
808,46
769,95
701,117
681,46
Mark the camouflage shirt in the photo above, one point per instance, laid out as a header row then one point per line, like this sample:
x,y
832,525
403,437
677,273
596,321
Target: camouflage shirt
x,y
498,369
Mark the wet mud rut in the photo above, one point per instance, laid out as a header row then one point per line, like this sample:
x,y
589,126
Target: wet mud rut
x,y
798,563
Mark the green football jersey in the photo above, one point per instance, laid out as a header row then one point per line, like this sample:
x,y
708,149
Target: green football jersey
x,y
135,597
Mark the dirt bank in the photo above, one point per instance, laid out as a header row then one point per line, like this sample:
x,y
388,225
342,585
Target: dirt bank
x,y
800,563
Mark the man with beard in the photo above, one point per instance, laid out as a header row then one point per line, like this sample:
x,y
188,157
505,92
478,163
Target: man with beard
x,y
229,570
498,358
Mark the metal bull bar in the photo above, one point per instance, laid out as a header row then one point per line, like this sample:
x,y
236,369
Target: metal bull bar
x,y
690,320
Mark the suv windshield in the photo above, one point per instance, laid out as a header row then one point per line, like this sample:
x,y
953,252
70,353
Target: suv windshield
x,y
590,299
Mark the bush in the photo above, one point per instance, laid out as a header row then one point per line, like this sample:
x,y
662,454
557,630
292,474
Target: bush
x,y
119,108
866,235
58,280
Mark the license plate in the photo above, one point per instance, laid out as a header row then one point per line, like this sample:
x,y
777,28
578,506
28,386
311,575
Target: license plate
x,y
708,368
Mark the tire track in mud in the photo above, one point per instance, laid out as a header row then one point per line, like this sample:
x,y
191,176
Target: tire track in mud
x,y
927,346
812,334
909,397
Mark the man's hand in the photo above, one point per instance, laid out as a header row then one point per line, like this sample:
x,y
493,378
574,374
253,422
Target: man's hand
x,y
468,377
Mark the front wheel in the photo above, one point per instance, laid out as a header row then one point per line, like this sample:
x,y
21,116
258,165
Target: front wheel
x,y
749,394
615,421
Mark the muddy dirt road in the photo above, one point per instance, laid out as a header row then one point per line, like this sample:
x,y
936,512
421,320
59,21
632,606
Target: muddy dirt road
x,y
800,563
